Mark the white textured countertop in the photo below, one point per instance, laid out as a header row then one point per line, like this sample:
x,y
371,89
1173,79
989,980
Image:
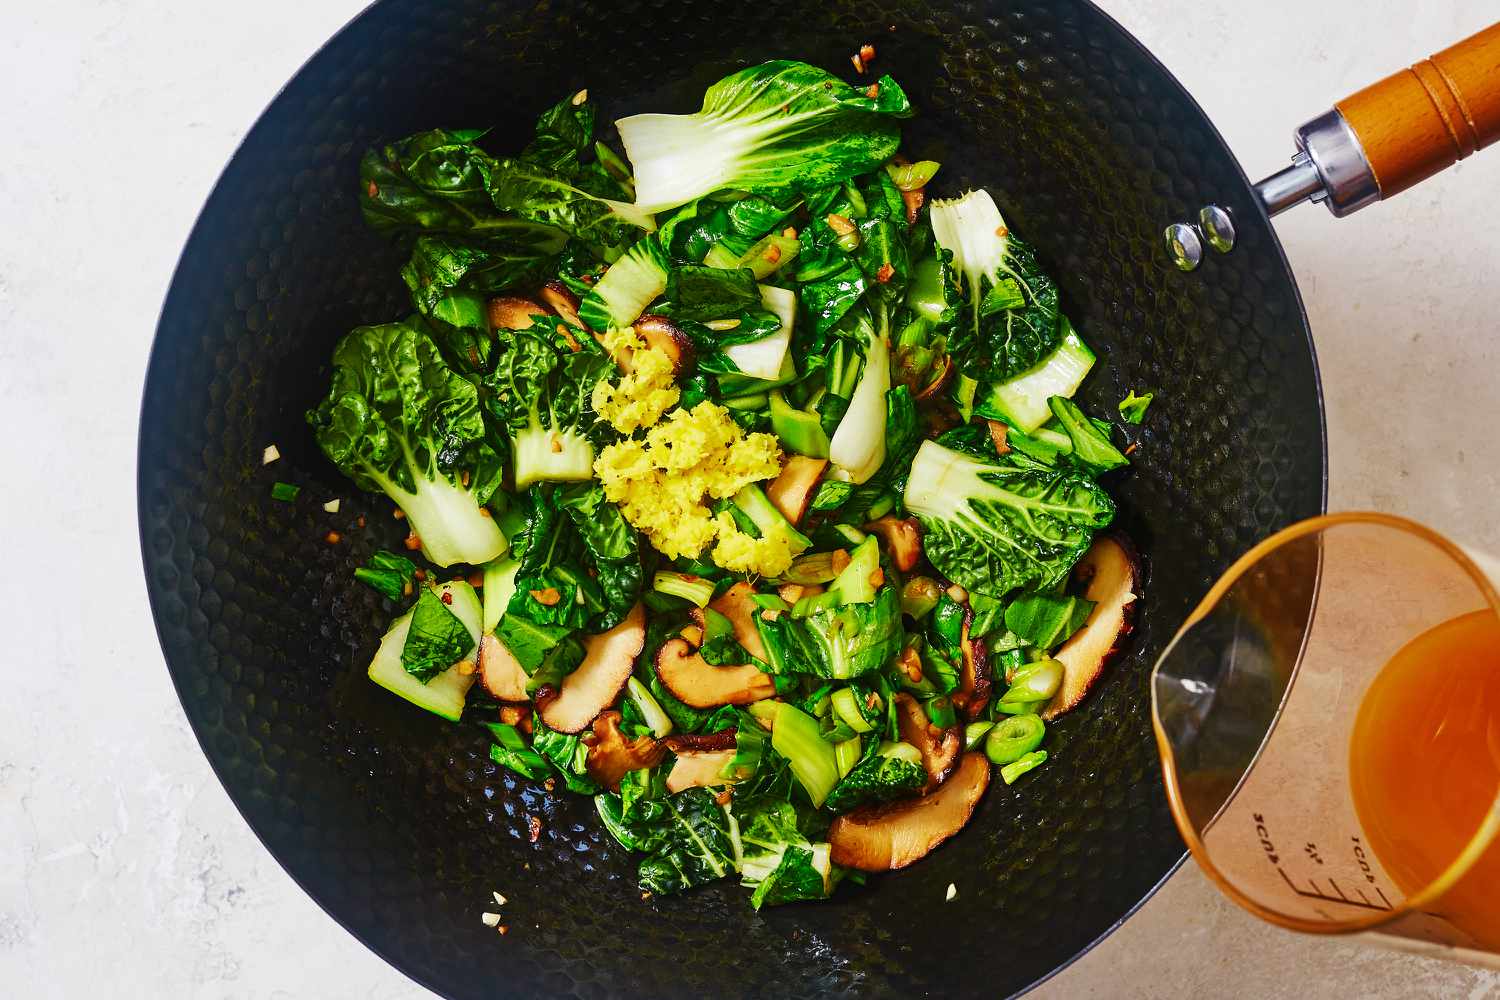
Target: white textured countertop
x,y
125,871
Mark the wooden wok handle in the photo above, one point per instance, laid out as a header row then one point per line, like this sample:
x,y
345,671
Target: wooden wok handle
x,y
1424,119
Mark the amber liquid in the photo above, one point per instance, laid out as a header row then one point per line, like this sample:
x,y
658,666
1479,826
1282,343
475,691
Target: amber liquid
x,y
1425,766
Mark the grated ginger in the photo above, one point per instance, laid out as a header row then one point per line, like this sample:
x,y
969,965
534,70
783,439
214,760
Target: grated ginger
x,y
664,484
645,390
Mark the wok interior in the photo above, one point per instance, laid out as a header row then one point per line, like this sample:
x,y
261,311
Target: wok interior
x,y
397,822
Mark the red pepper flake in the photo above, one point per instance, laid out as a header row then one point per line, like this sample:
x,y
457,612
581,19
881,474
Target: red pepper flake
x,y
1002,232
476,579
333,538
463,479
412,543
420,574
373,190
913,202
773,254
550,784
398,514
503,929
859,64
1131,449
790,232
723,797
884,273
360,521
447,597
867,53
547,596
878,577
485,512
873,91
839,224
587,279
534,824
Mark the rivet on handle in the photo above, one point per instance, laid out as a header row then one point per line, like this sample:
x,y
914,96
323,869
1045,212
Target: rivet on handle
x,y
1217,227
1185,246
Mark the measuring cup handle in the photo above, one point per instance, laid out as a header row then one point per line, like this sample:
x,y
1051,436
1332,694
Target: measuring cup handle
x,y
1381,140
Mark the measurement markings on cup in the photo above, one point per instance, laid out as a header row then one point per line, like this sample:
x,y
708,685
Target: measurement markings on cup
x,y
1334,893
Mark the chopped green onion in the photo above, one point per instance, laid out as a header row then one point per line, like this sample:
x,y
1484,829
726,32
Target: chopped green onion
x,y
940,712
1014,738
912,176
974,733
1037,682
768,256
764,710
850,532
814,567
919,596
846,704
882,505
770,602
285,492
814,603
684,585
1010,772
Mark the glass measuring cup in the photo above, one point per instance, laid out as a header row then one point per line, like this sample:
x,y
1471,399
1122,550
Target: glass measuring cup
x,y
1307,714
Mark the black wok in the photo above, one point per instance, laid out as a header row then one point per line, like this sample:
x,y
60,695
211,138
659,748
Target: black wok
x,y
396,822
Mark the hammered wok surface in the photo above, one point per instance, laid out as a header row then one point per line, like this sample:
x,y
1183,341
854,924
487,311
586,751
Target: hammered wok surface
x,y
395,821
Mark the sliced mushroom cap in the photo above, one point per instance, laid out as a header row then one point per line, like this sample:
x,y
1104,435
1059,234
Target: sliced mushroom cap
x,y
680,743
1113,570
902,537
793,489
699,769
501,673
608,659
561,300
700,684
508,312
885,837
939,747
661,334
976,683
738,605
610,754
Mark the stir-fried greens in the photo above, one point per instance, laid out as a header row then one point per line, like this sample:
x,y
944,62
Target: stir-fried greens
x,y
781,516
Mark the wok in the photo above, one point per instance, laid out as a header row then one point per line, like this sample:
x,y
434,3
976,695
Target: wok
x,y
396,822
